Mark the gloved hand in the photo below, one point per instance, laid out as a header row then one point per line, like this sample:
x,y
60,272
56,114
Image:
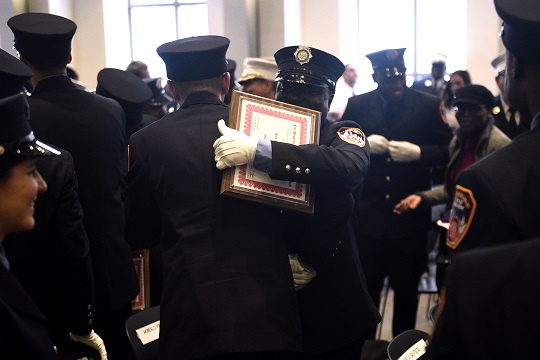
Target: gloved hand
x,y
378,144
92,340
233,148
403,151
302,273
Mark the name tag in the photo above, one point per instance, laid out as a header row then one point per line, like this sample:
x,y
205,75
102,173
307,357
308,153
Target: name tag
x,y
415,351
148,333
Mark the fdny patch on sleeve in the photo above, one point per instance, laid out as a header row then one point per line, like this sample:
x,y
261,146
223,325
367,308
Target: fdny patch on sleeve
x,y
353,136
461,216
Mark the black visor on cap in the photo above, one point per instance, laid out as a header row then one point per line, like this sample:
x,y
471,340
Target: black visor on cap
x,y
473,94
389,62
13,74
16,136
40,34
305,65
520,31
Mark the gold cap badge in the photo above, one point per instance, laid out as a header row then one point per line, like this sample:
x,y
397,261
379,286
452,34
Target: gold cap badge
x,y
303,55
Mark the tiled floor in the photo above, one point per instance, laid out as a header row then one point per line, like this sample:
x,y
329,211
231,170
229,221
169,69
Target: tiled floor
x,y
422,320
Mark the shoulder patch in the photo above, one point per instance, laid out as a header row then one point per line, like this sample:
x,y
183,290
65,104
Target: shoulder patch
x,y
461,216
353,136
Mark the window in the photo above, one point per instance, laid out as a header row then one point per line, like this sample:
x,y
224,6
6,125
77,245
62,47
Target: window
x,y
424,27
155,22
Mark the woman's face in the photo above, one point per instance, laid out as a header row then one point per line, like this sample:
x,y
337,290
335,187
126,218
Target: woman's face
x,y
456,82
471,117
18,192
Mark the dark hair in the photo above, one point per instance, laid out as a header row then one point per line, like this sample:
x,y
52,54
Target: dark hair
x,y
185,88
448,96
54,62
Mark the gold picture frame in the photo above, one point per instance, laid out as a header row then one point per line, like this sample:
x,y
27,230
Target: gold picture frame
x,y
273,120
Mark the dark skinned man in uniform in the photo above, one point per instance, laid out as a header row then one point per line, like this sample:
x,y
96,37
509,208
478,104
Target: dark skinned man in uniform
x,y
335,308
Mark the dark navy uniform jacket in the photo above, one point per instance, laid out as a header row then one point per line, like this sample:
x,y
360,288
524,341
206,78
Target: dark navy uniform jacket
x,y
91,128
335,306
227,279
491,307
23,330
502,122
497,198
54,258
388,182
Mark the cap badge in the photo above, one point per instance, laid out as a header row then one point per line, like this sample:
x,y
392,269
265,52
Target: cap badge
x,y
2,150
303,55
392,55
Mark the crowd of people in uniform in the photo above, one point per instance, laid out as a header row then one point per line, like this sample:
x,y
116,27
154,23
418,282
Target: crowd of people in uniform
x,y
86,177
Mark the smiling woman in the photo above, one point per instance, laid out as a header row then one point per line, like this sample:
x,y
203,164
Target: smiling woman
x,y
24,333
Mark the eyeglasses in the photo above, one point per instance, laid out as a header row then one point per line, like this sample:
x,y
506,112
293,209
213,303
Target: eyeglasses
x,y
470,108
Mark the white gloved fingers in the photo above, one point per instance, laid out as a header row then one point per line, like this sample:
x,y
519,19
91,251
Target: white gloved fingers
x,y
224,129
378,144
403,151
93,340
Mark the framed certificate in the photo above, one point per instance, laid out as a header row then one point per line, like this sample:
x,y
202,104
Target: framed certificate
x,y
141,259
269,119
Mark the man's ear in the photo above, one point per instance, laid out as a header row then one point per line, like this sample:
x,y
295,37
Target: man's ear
x,y
225,83
173,90
70,58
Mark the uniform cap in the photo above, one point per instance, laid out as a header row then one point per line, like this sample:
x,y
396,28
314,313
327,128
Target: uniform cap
x,y
13,74
439,59
474,94
305,65
16,136
258,68
499,64
389,62
126,88
195,58
159,97
520,31
38,34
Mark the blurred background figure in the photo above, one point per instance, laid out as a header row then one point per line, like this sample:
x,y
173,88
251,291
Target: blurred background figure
x,y
138,68
458,79
161,103
130,92
476,138
344,90
258,77
435,82
507,118
231,68
74,76
77,120
407,137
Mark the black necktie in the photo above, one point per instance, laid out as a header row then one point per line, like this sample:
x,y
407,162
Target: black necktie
x,y
512,125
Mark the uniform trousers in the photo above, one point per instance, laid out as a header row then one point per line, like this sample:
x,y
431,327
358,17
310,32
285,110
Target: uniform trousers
x,y
259,355
352,351
403,261
111,327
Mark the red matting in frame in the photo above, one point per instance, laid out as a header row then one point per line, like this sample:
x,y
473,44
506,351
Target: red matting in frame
x,y
274,120
298,190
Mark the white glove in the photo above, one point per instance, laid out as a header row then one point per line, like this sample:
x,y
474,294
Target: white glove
x,y
302,273
233,148
378,144
403,151
92,340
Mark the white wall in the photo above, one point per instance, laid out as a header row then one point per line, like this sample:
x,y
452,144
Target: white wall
x,y
255,27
